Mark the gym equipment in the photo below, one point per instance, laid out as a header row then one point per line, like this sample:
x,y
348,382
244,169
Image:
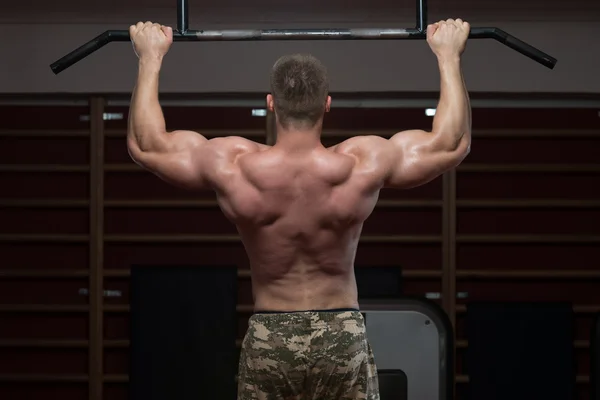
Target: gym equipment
x,y
413,345
184,34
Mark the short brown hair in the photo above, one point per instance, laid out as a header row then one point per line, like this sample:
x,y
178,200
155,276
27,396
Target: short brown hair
x,y
299,86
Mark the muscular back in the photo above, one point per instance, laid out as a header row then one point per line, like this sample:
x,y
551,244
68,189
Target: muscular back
x,y
300,211
300,217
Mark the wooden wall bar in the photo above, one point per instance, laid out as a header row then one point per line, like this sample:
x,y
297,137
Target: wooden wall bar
x,y
517,221
44,242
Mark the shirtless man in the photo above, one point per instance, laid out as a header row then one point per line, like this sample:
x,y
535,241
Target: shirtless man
x,y
299,208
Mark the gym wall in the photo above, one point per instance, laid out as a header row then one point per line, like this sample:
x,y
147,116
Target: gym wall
x,y
41,35
517,221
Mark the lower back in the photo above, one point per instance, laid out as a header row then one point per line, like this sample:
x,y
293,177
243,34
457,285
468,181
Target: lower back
x,y
303,287
302,272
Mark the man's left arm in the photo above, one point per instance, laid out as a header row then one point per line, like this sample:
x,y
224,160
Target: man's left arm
x,y
177,157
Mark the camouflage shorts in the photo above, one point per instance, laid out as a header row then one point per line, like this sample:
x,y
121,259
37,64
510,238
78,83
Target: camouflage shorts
x,y
314,355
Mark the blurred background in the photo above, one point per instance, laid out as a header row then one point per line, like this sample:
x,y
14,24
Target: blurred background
x,y
518,221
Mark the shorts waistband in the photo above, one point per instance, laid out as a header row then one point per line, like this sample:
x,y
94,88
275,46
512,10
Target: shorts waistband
x,y
308,319
307,311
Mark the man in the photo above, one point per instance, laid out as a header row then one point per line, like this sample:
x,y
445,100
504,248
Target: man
x,y
299,208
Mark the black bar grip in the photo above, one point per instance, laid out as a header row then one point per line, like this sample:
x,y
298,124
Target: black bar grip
x,y
515,44
93,45
303,34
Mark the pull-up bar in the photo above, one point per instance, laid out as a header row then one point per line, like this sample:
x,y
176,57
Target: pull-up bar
x,y
419,33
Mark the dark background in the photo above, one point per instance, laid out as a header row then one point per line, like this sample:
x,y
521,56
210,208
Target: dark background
x,y
518,220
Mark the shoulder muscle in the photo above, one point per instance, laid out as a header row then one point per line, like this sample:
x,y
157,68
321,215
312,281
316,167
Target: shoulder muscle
x,y
369,153
219,158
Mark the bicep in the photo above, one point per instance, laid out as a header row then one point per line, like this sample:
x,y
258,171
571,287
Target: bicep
x,y
418,159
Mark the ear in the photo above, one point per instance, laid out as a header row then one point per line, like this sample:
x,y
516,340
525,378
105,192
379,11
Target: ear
x,y
328,104
270,103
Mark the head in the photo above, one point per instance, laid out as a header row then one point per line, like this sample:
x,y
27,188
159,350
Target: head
x,y
299,91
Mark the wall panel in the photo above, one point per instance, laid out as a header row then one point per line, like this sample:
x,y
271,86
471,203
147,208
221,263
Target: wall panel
x,y
43,256
122,255
44,229
43,326
64,391
43,361
528,256
527,217
43,291
116,391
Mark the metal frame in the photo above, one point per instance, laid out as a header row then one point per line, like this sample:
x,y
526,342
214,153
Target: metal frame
x,y
419,33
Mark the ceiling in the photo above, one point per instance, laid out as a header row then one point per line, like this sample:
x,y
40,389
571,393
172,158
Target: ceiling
x,y
222,11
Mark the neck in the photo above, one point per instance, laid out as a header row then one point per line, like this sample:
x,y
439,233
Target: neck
x,y
298,139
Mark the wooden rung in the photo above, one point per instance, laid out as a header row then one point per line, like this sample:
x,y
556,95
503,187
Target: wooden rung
x,y
116,308
121,133
45,203
36,343
172,238
206,203
43,308
41,273
180,238
401,239
245,273
530,238
116,378
123,308
123,168
117,273
43,378
556,168
161,203
38,378
488,133
123,344
528,274
580,379
408,204
577,344
553,203
126,273
31,133
43,168
116,344
532,168
577,309
536,133
44,238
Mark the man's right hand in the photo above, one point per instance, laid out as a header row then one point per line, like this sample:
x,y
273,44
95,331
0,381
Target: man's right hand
x,y
448,39
151,41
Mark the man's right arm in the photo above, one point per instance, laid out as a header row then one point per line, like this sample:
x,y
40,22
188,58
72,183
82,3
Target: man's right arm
x,y
413,158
